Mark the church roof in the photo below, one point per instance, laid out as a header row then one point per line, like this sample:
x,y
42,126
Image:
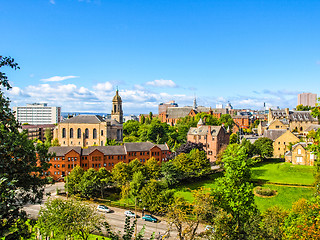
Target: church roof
x,y
85,119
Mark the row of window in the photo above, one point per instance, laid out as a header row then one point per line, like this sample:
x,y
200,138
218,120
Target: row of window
x,y
86,133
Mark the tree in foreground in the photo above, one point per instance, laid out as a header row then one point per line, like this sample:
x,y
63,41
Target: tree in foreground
x,y
68,218
20,167
234,195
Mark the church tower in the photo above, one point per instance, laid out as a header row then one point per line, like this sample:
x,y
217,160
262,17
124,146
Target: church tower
x,y
116,112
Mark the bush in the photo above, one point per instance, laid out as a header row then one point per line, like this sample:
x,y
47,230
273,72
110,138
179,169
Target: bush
x,y
265,191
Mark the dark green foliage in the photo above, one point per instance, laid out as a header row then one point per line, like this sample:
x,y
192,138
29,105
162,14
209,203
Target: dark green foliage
x,y
20,168
303,108
234,194
250,148
68,218
264,147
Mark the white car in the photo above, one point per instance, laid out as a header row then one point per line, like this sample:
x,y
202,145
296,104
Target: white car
x,y
103,208
129,214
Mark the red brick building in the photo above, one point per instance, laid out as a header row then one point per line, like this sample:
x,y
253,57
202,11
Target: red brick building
x,y
213,138
66,158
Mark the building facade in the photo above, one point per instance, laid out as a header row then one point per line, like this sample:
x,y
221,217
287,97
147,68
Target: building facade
x,y
307,99
213,138
66,158
37,113
300,155
92,130
87,130
297,121
37,131
282,143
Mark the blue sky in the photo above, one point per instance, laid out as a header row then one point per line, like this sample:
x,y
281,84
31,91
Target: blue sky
x,y
74,53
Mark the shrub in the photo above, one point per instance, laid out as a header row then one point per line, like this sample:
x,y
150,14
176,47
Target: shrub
x,y
265,191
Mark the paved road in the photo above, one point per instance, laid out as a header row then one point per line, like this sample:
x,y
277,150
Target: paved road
x,y
116,219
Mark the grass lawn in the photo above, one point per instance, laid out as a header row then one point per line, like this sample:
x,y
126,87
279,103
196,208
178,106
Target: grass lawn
x,y
285,197
276,172
283,173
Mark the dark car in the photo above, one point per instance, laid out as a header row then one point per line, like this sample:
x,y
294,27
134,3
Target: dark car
x,y
149,218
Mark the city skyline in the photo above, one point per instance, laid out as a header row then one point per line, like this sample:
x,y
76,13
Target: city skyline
x,y
74,53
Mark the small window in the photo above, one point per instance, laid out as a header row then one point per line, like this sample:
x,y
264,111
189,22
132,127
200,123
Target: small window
x,y
299,151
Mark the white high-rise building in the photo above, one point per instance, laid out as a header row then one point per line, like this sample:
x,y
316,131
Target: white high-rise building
x,y
307,99
37,113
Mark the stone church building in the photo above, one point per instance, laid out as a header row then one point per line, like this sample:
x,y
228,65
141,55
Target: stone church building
x,y
92,130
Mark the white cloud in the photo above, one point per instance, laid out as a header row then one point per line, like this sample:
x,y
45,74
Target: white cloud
x,y
16,91
107,86
162,83
52,1
57,78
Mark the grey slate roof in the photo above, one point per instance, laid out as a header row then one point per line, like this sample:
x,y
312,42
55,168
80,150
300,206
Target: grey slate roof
x,y
203,130
106,150
314,127
93,119
143,146
109,150
178,112
61,151
273,134
303,144
301,116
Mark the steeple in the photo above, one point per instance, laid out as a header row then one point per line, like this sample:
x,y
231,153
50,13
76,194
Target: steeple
x,y
116,112
194,103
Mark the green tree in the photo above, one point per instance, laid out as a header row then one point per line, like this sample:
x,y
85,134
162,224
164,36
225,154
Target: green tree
x,y
21,168
264,147
234,138
152,168
73,180
227,120
234,193
121,173
89,183
138,181
136,166
68,218
303,108
250,149
171,174
155,197
131,128
48,136
55,143
104,178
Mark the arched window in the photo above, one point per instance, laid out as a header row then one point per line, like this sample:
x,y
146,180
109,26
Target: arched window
x,y
63,132
86,133
94,133
71,132
79,133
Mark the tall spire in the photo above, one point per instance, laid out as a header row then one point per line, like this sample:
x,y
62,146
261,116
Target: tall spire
x,y
195,103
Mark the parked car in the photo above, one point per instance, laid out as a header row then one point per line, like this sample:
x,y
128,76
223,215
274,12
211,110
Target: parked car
x,y
149,218
129,214
103,208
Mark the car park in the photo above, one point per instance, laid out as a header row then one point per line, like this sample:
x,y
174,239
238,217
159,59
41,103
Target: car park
x,y
103,208
150,218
